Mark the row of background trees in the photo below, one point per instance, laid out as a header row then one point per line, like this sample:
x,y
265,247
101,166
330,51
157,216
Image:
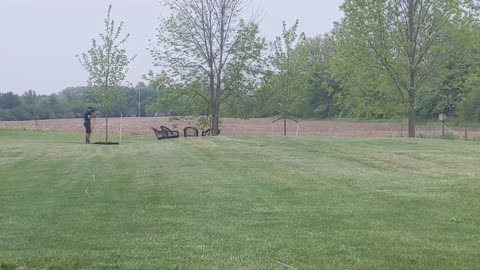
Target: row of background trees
x,y
385,59
71,103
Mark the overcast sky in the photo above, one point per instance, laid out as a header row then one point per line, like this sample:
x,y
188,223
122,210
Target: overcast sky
x,y
40,38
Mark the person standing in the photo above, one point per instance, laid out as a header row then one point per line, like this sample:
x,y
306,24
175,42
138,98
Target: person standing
x,y
87,123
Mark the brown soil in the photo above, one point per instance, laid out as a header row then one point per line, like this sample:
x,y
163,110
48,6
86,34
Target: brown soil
x,y
238,127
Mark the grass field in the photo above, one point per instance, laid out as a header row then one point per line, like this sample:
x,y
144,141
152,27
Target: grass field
x,y
238,203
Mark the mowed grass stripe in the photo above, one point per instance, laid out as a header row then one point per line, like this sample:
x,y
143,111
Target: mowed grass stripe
x,y
238,203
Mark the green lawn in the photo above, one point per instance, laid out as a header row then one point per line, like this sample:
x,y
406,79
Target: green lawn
x,y
238,203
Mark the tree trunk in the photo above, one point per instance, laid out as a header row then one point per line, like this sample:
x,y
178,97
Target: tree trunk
x,y
215,117
411,115
214,102
412,100
412,68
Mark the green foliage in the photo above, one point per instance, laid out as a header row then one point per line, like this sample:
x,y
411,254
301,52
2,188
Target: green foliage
x,y
320,101
457,77
368,104
354,64
245,72
288,81
470,108
177,99
396,46
317,95
107,65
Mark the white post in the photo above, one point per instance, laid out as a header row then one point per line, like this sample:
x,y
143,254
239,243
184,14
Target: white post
x,y
273,130
298,125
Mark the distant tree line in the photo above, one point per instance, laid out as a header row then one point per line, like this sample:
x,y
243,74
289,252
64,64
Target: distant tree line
x,y
71,102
